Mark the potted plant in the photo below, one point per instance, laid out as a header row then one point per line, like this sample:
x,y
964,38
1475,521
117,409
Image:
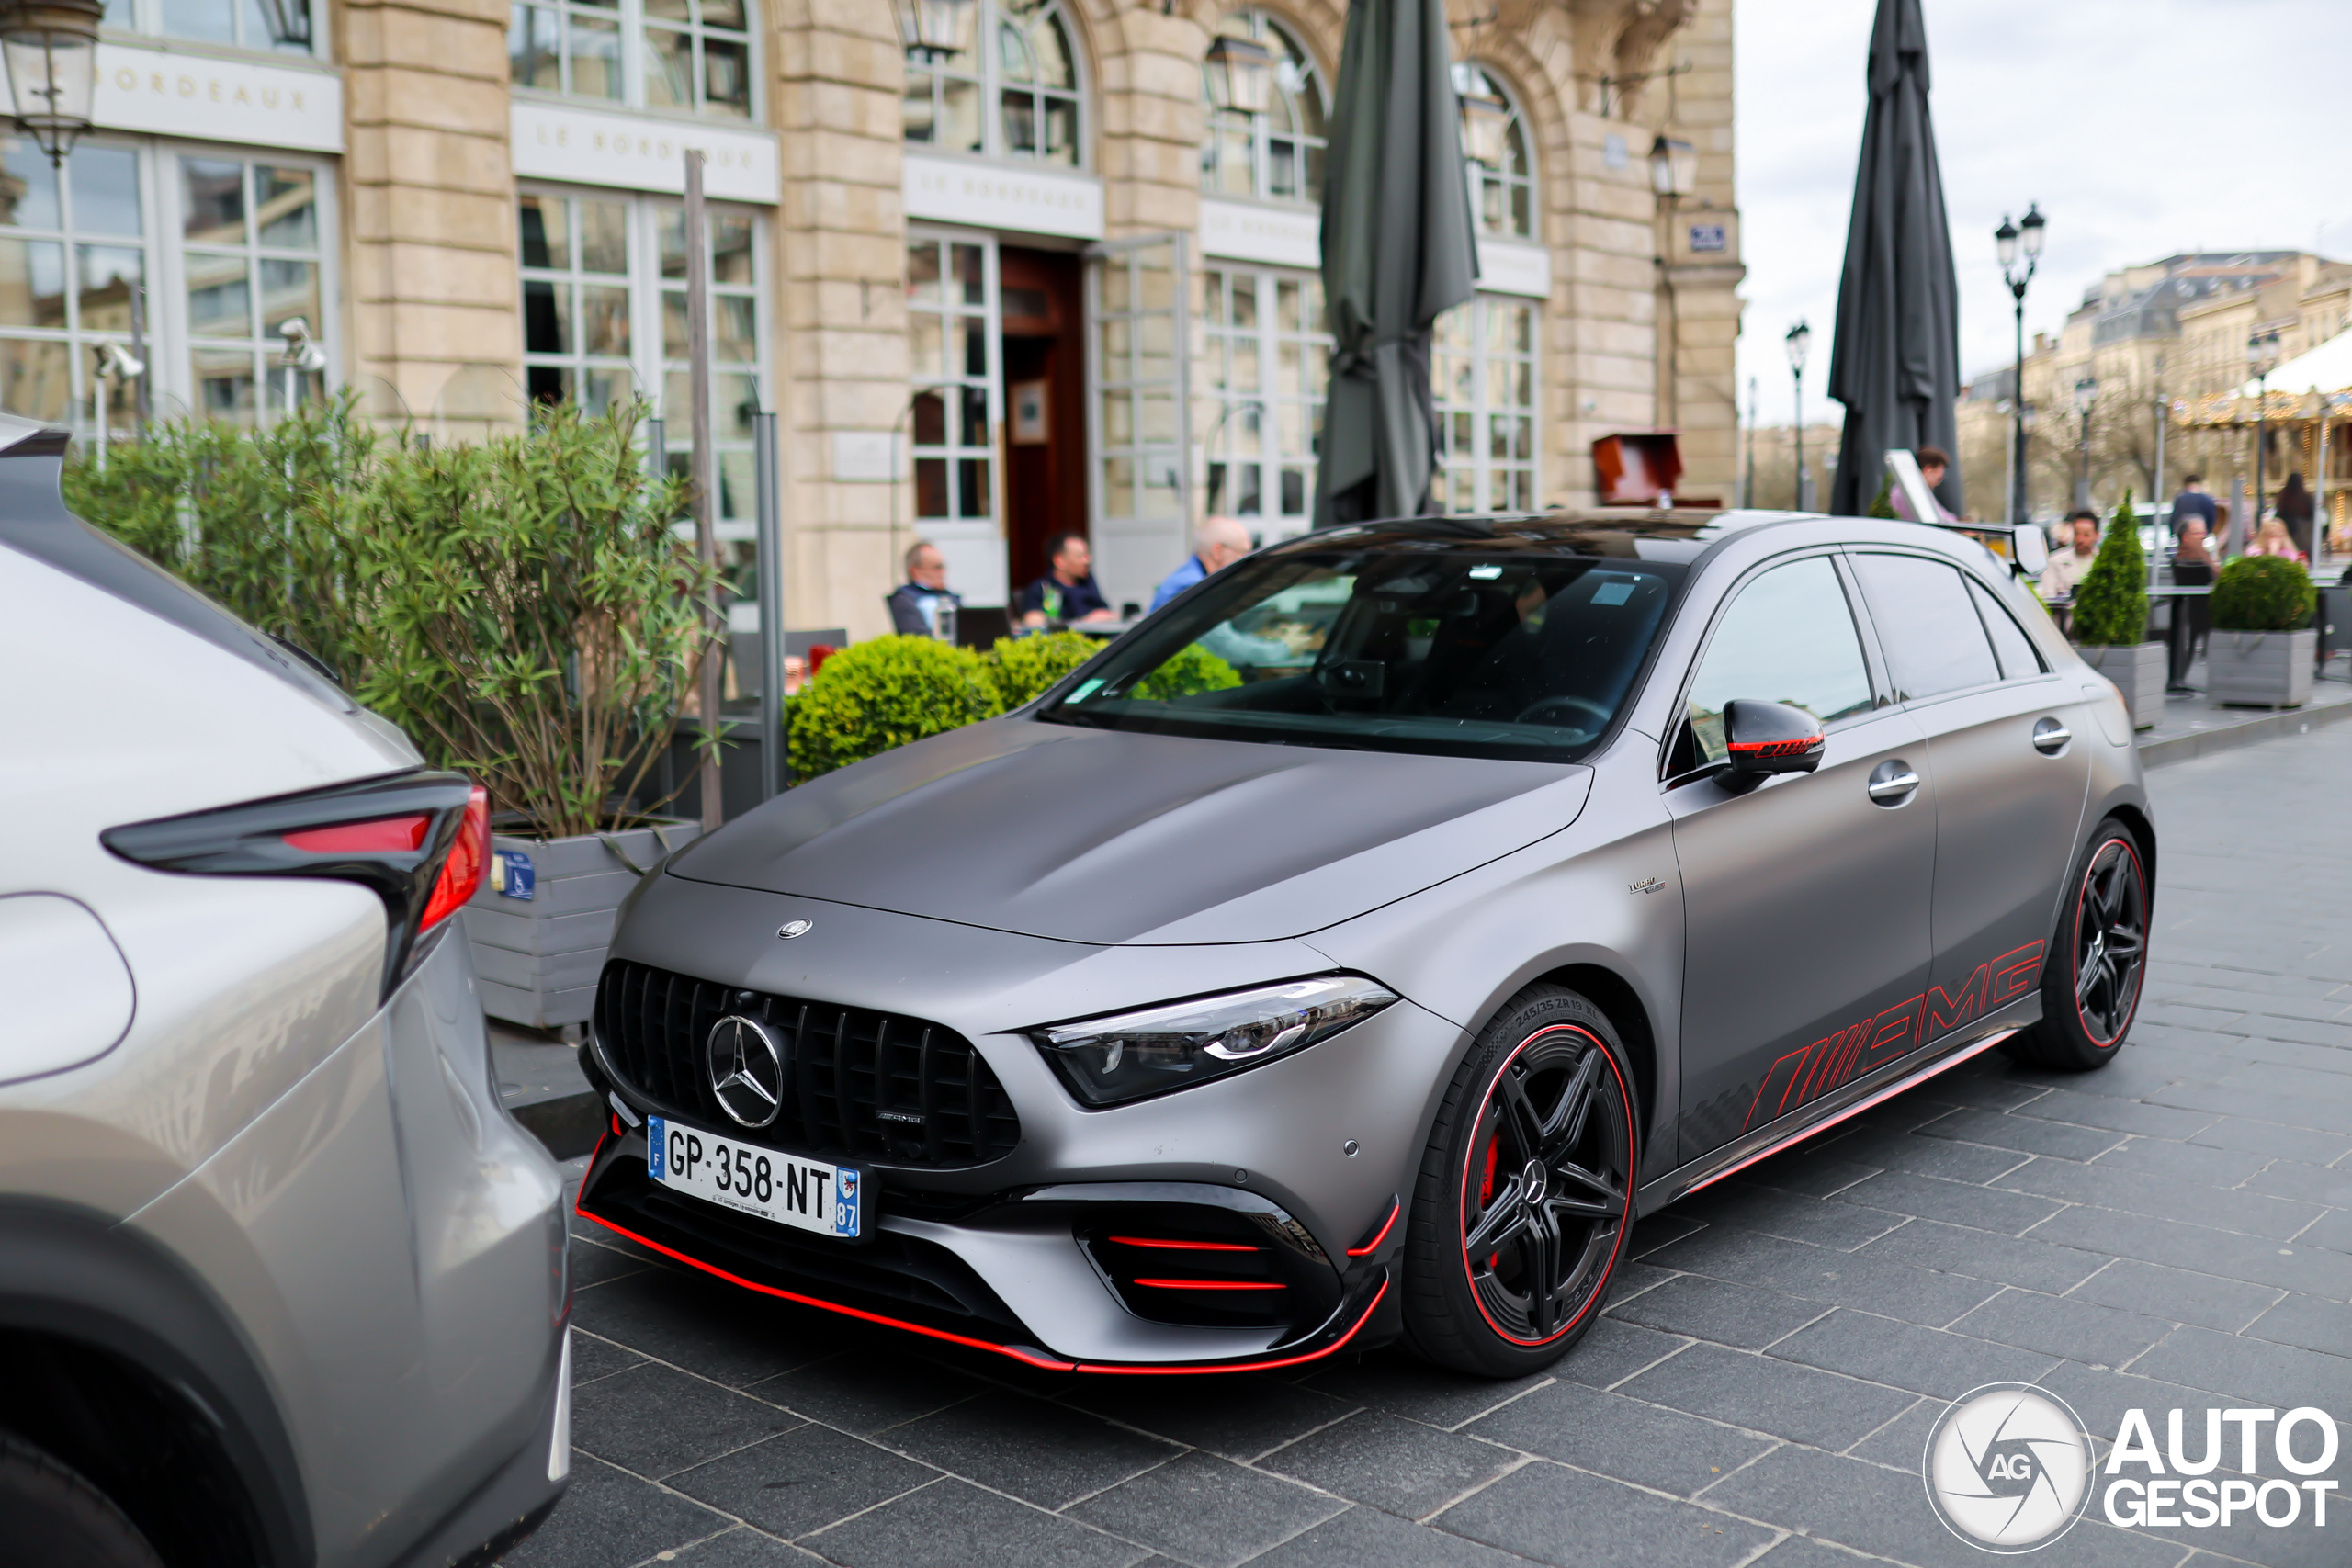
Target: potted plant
x,y
2261,651
2111,620
532,617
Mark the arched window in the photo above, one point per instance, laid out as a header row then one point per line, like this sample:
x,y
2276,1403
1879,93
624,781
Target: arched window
x,y
1502,191
1276,156
1025,64
688,55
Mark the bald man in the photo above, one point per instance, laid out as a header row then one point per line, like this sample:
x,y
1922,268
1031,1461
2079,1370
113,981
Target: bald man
x,y
1219,542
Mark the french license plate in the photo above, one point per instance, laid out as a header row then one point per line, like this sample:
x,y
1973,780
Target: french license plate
x,y
806,1194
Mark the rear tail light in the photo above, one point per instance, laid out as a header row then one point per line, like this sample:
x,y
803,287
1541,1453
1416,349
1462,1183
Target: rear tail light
x,y
419,841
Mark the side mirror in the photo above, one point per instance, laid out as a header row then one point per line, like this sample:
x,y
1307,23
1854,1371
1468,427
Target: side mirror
x,y
2030,551
1763,738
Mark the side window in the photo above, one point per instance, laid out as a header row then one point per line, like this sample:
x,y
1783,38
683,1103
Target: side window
x,y
1930,630
1787,637
2014,648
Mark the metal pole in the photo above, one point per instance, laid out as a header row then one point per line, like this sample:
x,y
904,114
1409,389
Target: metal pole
x,y
706,480
1747,491
1797,374
139,351
2261,401
774,773
2018,506
657,450
98,407
2156,490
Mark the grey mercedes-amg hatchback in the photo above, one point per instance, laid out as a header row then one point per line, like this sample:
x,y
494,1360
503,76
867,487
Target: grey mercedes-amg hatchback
x,y
1358,947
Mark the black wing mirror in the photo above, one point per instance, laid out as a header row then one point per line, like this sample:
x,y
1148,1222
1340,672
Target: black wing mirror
x,y
1769,738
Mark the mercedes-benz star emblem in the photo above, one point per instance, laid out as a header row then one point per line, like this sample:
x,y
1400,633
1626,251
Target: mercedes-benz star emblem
x,y
745,1061
791,929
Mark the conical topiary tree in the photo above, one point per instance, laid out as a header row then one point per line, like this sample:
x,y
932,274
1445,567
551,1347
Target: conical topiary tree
x,y
2112,605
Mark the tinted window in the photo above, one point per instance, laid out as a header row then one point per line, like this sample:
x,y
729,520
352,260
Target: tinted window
x,y
1787,637
1930,630
1419,647
2009,641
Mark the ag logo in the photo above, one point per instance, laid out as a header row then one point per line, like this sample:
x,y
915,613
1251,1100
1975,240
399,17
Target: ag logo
x,y
2008,1467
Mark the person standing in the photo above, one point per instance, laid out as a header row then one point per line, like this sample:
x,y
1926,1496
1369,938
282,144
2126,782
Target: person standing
x,y
923,605
1066,593
2192,502
1218,543
2191,568
2292,505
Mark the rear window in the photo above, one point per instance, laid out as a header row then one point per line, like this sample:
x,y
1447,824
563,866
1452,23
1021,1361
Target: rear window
x,y
1459,651
1933,635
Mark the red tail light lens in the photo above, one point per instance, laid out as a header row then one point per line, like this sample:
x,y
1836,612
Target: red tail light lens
x,y
461,873
394,833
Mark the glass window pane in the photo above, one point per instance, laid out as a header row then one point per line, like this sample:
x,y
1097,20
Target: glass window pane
x,y
286,207
547,318
597,58
922,273
734,329
931,487
916,118
972,487
546,235
734,399
1014,63
1020,123
738,479
723,14
2014,648
1057,67
604,322
975,432
969,274
108,273
215,201
209,21
670,226
730,249
37,379
972,355
960,115
930,419
106,190
1061,132
1787,637
534,54
32,283
224,385
924,346
604,237
1929,628
602,388
547,383
289,289
670,10
669,68
726,78
29,190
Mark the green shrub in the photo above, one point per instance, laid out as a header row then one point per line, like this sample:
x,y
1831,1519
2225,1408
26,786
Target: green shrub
x,y
2112,605
1192,668
2263,593
1022,668
875,695
1882,503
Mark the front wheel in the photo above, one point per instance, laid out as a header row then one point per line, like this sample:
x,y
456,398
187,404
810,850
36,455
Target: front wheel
x,y
1524,1201
2090,986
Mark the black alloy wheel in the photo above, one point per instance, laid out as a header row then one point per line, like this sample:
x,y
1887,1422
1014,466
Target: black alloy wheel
x,y
1526,1201
2098,959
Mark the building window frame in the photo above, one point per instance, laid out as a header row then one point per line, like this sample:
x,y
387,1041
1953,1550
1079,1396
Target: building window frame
x,y
644,306
1284,147
540,33
1265,363
181,21
978,107
1502,202
1485,377
63,250
954,411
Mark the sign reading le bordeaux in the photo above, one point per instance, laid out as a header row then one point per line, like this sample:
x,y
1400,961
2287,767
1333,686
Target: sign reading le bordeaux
x,y
219,100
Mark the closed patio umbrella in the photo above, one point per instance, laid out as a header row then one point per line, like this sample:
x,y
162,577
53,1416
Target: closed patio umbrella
x,y
1895,363
1396,254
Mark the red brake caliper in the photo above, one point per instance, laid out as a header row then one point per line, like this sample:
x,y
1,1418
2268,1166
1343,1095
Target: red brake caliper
x,y
1486,1190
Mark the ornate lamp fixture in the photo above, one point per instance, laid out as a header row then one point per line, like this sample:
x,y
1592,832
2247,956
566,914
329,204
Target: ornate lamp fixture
x,y
935,30
1674,167
1486,124
1240,74
51,50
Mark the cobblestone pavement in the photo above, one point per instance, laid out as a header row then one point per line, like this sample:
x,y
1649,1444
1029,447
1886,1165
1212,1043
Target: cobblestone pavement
x,y
2173,1231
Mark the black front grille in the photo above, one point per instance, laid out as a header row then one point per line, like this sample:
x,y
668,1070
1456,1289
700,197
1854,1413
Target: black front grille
x,y
858,1084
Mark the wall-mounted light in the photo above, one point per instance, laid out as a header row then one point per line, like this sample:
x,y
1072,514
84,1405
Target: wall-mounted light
x,y
1485,124
1674,167
934,29
1240,74
52,48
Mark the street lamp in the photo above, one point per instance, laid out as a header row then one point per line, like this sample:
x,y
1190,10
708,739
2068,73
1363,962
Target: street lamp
x,y
2085,397
937,29
2013,240
1486,122
2262,358
51,49
1674,167
1800,344
1240,74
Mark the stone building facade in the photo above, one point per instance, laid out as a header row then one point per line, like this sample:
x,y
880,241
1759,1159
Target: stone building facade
x,y
1042,283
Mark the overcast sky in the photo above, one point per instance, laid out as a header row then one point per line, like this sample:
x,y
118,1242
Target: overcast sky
x,y
2143,127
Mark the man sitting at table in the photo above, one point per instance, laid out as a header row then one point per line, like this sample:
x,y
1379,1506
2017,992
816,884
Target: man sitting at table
x,y
2068,568
1066,593
1220,542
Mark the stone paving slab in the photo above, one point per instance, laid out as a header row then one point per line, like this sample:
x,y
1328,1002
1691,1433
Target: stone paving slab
x,y
2175,1231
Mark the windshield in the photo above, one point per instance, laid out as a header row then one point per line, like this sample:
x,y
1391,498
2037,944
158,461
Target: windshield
x,y
1448,649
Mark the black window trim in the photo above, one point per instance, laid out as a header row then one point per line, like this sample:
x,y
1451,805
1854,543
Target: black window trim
x,y
1899,698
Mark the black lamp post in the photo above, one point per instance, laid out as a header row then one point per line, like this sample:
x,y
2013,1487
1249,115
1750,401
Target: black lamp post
x,y
2262,358
51,50
2086,398
1800,344
2019,242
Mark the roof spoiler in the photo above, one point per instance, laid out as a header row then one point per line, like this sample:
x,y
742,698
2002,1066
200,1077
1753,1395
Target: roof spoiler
x,y
2022,548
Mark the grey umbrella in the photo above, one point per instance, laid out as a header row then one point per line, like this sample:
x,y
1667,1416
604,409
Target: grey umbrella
x,y
1895,363
1396,254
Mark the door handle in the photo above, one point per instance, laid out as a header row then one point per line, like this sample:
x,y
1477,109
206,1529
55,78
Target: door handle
x,y
1891,783
2049,737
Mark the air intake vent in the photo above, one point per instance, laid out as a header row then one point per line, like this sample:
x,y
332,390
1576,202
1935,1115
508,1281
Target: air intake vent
x,y
857,1083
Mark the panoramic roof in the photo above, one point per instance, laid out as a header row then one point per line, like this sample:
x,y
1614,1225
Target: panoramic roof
x,y
1678,534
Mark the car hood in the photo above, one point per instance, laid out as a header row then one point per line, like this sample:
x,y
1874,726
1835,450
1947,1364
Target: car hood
x,y
1102,836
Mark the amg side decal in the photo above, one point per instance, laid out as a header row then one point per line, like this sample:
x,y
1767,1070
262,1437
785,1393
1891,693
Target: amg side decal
x,y
1862,1048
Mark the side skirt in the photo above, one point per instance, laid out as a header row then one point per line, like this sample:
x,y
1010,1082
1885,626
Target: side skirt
x,y
1846,1102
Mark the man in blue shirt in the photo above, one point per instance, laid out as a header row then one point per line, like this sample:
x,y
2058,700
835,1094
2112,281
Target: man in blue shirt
x,y
1068,593
923,605
1219,542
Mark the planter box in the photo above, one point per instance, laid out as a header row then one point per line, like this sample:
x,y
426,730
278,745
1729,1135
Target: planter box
x,y
2138,671
2262,670
539,923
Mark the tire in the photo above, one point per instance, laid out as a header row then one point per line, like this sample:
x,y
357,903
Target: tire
x,y
2098,959
50,1515
1492,1286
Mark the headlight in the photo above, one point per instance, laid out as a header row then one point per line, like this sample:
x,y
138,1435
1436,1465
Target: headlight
x,y
1131,1055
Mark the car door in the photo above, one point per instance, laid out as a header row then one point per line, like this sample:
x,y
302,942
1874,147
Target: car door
x,y
1806,897
2007,743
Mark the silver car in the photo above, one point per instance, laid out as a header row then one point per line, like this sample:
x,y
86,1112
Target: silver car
x,y
280,1282
1355,950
